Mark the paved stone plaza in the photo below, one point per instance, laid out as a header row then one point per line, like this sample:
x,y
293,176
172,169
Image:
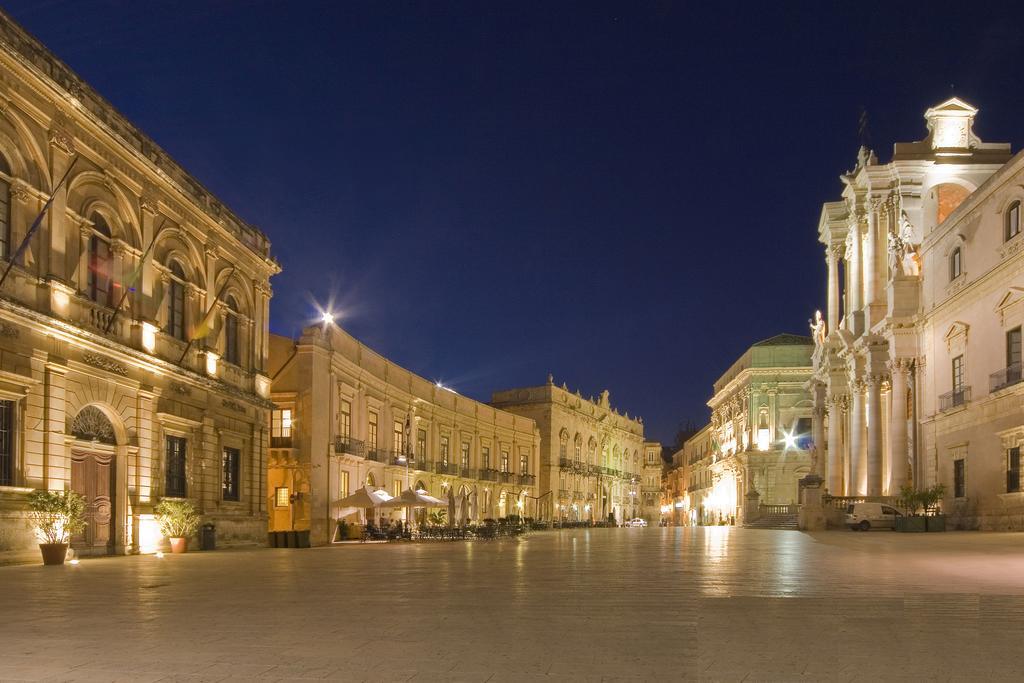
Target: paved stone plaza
x,y
604,604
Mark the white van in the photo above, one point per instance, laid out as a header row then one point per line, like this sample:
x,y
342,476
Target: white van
x,y
867,516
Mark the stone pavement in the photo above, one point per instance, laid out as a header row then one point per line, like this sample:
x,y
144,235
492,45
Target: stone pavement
x,y
605,604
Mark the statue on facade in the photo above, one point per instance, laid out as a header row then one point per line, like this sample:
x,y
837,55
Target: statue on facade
x,y
904,257
817,326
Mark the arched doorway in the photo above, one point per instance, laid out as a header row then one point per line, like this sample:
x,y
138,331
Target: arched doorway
x,y
93,475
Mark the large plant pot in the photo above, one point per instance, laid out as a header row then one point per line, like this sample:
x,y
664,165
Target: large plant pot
x,y
179,545
936,523
912,524
53,553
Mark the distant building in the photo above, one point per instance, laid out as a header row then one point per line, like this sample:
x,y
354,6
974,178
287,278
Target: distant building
x,y
757,440
590,454
133,329
650,483
918,364
346,417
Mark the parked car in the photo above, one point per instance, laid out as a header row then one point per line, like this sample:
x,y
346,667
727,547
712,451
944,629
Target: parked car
x,y
637,521
867,516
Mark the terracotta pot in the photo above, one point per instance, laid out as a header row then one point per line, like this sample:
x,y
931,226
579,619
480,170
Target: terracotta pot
x,y
178,545
53,553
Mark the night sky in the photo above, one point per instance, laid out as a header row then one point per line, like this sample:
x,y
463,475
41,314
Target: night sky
x,y
623,194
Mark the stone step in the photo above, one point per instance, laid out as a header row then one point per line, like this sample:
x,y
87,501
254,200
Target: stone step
x,y
775,521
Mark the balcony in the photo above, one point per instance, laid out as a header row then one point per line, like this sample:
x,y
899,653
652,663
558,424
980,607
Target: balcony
x,y
446,468
280,442
565,463
467,472
399,458
563,494
954,399
1006,377
376,455
527,480
506,477
488,474
349,446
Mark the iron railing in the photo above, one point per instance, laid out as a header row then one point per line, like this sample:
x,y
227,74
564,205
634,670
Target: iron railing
x,y
372,453
505,477
527,479
1006,377
489,474
955,398
466,472
400,458
346,444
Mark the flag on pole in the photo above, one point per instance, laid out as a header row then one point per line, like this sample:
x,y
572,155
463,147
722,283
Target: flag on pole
x,y
16,256
128,285
205,326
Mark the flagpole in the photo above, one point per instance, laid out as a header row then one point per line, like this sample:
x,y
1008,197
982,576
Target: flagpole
x,y
142,264
216,299
35,224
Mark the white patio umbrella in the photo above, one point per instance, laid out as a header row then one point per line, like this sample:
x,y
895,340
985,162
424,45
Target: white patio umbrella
x,y
463,509
362,499
411,500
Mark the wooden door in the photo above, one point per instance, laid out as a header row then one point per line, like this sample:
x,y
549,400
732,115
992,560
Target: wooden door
x,y
92,476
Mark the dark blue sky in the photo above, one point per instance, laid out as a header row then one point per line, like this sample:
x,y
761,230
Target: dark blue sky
x,y
623,194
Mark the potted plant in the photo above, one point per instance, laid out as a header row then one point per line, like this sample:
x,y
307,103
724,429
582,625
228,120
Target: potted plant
x,y
178,520
56,516
930,499
910,500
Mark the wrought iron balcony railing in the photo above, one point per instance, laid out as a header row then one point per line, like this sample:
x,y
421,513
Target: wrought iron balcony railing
x,y
489,474
466,472
954,399
505,477
1006,377
527,479
372,453
400,458
346,444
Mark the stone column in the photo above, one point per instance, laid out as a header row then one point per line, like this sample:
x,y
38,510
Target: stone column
x,y
898,424
833,255
144,301
835,444
818,429
84,235
62,150
874,450
858,455
871,253
853,255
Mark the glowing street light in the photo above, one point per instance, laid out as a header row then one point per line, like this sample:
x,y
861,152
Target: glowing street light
x,y
790,440
327,318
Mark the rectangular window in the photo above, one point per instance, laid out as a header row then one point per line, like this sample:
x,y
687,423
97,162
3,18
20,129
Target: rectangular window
x,y
5,217
563,452
955,264
231,461
958,478
176,310
578,452
282,497
485,457
958,375
345,419
343,485
1013,470
371,430
399,437
1013,220
421,444
6,443
174,483
524,464
465,455
1013,354
444,451
281,428
504,461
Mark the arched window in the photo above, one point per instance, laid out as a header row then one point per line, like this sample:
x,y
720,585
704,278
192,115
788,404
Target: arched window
x,y
956,266
176,302
101,288
1012,220
5,209
232,353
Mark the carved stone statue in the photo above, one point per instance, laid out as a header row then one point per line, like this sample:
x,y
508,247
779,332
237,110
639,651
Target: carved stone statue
x,y
817,328
904,257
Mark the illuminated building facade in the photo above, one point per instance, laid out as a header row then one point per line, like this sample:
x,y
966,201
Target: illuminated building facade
x,y
758,438
591,466
115,382
917,370
346,417
650,483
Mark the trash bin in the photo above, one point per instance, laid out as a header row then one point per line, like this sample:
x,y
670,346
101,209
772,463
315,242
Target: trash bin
x,y
271,539
208,537
302,538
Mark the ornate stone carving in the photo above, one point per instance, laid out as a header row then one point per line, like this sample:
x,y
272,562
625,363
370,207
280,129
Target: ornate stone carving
x,y
9,331
182,389
60,135
20,190
232,405
91,424
104,363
